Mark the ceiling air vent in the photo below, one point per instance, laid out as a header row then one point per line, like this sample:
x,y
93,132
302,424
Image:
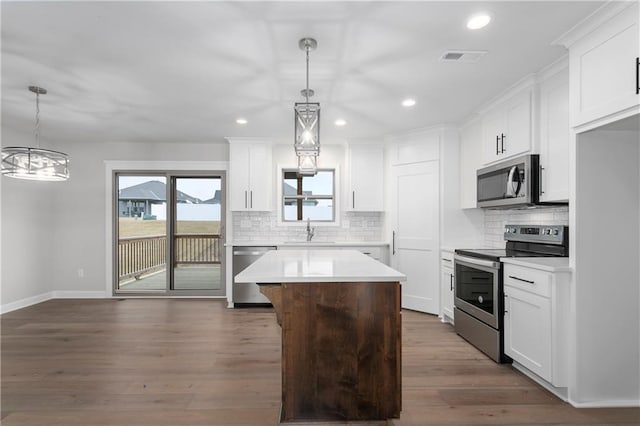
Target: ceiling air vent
x,y
467,56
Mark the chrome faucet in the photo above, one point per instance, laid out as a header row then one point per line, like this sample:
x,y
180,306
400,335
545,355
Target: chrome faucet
x,y
310,230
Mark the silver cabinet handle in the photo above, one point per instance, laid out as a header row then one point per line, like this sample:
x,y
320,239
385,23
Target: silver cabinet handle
x,y
451,281
353,199
251,198
521,279
637,75
393,243
245,199
446,260
497,142
540,180
502,150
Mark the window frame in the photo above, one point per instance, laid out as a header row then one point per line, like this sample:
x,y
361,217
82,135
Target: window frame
x,y
301,197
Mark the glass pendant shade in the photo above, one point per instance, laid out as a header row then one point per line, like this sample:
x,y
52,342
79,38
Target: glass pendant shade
x,y
307,128
307,164
22,162
34,164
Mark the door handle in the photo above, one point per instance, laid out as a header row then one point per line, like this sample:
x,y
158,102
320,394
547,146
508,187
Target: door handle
x,y
393,242
638,76
502,150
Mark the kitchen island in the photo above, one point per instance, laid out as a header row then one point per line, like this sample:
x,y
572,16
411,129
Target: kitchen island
x,y
339,311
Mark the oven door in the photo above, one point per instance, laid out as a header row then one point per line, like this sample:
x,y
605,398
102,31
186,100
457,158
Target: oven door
x,y
477,288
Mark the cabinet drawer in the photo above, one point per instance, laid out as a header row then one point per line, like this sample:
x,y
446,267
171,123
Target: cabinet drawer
x,y
527,279
446,258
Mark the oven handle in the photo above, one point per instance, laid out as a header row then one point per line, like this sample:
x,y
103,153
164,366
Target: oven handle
x,y
475,261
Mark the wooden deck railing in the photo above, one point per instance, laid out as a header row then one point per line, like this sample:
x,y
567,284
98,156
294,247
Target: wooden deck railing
x,y
140,255
197,248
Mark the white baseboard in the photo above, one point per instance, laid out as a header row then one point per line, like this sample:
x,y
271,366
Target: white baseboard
x,y
607,403
79,295
23,303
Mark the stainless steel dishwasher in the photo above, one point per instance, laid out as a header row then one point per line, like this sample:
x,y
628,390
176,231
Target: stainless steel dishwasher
x,y
247,293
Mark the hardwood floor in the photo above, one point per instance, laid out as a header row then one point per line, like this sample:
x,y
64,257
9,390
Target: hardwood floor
x,y
194,362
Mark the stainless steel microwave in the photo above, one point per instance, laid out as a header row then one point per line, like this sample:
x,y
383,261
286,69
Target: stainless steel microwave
x,y
511,183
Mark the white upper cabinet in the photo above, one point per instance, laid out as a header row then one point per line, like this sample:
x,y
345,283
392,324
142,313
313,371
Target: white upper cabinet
x,y
470,162
506,128
365,183
250,175
554,138
603,54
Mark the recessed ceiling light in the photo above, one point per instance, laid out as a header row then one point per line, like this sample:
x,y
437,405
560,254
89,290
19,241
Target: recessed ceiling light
x,y
408,102
340,122
479,20
241,121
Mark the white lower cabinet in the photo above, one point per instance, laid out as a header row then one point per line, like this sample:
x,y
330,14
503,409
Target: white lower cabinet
x,y
536,321
447,286
527,330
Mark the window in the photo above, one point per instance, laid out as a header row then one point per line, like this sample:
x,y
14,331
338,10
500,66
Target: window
x,y
308,197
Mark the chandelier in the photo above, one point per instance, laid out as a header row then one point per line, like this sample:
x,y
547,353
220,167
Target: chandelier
x,y
35,163
307,122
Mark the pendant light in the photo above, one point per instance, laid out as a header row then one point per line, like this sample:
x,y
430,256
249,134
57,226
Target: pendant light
x,y
307,122
35,163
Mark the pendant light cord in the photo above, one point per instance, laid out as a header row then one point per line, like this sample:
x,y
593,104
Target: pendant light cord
x,y
36,130
307,92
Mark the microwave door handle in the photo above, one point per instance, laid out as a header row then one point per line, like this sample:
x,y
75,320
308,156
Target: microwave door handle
x,y
511,192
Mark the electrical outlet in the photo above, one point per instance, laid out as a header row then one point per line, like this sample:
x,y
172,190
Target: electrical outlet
x,y
81,273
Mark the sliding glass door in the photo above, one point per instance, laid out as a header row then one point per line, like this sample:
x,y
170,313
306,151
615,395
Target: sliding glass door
x,y
169,233
196,233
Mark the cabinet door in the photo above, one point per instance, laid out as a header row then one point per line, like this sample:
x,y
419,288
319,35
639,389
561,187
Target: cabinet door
x,y
492,128
517,132
416,242
554,138
604,69
470,162
239,177
527,328
366,185
446,291
260,177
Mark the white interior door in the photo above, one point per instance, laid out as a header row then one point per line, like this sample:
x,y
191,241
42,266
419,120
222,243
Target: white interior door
x,y
416,243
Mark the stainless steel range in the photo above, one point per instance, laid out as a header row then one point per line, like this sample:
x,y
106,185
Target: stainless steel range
x,y
479,293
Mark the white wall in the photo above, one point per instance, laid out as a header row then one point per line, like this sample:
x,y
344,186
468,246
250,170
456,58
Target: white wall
x,y
59,228
26,240
606,279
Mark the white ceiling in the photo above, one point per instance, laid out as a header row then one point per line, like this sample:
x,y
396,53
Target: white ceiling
x,y
178,71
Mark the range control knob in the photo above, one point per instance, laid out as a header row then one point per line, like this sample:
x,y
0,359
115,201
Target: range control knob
x,y
556,232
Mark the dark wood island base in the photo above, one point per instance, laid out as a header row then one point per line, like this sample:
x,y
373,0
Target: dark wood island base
x,y
341,350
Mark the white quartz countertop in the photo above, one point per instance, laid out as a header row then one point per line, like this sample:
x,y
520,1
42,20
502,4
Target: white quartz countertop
x,y
308,265
548,264
307,244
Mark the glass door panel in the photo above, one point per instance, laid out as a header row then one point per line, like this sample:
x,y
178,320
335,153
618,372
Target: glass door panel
x,y
197,248
141,262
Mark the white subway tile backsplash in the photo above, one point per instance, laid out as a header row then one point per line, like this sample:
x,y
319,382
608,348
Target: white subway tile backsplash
x,y
248,226
495,221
